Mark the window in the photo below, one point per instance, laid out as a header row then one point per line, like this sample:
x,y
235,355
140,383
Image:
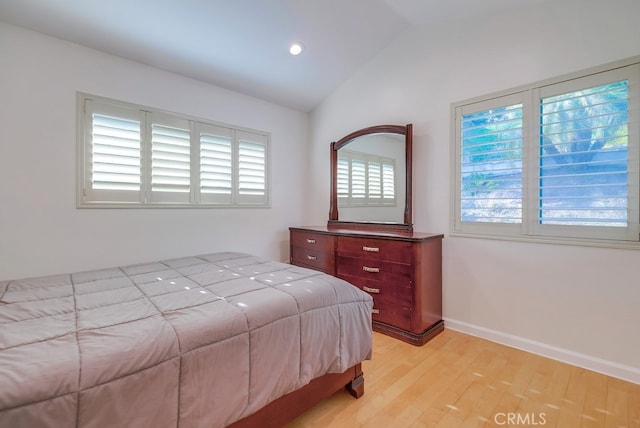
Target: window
x,y
365,179
555,161
134,156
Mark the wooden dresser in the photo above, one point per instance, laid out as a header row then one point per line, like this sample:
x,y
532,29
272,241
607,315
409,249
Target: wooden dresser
x,y
402,272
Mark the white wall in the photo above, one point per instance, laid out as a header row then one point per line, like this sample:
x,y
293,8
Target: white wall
x,y
573,303
42,232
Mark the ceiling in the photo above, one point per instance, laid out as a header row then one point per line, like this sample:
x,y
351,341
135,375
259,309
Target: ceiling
x,y
242,45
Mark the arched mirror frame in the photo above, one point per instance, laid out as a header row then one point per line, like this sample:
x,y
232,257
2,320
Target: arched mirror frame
x,y
407,226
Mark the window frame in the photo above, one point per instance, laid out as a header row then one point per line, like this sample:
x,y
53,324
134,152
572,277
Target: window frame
x,y
88,197
529,96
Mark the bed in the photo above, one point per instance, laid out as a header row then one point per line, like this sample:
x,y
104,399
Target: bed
x,y
204,341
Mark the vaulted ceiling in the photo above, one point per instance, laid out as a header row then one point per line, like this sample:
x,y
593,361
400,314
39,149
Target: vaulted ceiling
x,y
243,45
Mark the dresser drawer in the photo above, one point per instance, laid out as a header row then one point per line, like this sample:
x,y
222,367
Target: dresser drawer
x,y
375,249
391,303
394,293
392,315
313,241
313,259
313,250
375,270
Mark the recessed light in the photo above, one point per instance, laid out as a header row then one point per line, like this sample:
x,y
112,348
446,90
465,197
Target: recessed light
x,y
296,48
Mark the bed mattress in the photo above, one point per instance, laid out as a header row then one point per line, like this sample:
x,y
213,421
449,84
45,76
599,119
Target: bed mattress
x,y
192,342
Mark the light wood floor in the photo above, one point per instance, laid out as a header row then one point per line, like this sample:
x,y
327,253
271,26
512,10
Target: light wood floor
x,y
457,380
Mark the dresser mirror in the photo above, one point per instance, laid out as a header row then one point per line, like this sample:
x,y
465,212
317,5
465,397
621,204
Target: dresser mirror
x,y
371,179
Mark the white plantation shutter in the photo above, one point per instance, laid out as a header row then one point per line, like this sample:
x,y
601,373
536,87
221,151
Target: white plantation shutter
x,y
170,160
358,180
374,174
365,179
586,177
381,181
343,178
216,164
115,162
388,181
135,156
554,161
252,178
491,162
600,172
113,154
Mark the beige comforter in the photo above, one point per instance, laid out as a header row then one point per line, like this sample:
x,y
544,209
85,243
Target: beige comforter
x,y
192,342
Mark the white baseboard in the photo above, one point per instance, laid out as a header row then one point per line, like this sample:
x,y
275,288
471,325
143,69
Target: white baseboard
x,y
609,368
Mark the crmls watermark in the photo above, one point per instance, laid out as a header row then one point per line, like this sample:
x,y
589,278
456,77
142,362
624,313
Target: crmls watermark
x,y
515,419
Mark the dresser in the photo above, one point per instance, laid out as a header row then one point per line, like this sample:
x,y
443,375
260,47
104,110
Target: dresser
x,y
401,271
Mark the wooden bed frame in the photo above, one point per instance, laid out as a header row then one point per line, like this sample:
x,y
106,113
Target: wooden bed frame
x,y
286,408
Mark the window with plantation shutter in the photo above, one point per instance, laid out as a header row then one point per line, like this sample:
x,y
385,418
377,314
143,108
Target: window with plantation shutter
x,y
110,158
170,160
115,154
365,179
491,164
374,173
558,160
251,167
388,180
583,157
216,165
358,180
343,178
135,156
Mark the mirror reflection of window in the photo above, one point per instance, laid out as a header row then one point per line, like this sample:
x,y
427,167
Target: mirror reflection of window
x,y
365,179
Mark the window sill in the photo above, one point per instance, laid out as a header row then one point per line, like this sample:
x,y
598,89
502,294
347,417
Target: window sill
x,y
119,205
578,242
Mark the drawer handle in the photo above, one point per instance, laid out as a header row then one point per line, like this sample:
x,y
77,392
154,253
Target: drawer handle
x,y
371,249
370,269
311,241
371,290
375,311
311,257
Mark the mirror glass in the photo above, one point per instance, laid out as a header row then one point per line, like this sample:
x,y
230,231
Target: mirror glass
x,y
371,185
371,179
